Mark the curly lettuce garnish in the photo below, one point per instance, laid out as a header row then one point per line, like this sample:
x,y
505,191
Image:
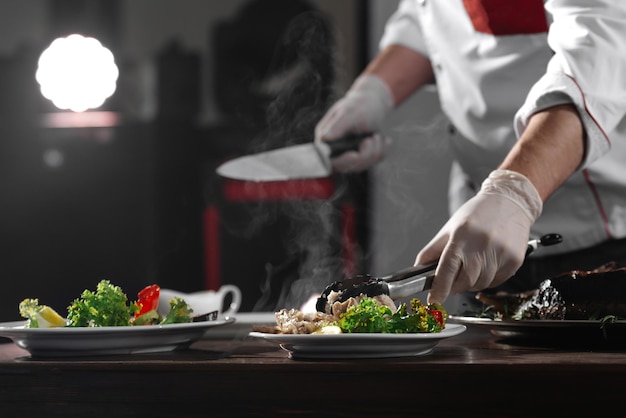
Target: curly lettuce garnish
x,y
371,317
106,307
180,312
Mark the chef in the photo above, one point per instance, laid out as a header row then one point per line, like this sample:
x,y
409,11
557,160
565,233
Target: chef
x,y
535,94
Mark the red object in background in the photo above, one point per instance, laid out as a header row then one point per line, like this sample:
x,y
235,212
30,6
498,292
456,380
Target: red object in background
x,y
148,299
250,191
508,17
236,191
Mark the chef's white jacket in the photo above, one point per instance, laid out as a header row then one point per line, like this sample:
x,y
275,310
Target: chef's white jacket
x,y
499,61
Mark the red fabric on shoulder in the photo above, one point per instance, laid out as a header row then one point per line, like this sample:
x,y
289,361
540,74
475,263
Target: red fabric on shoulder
x,y
507,17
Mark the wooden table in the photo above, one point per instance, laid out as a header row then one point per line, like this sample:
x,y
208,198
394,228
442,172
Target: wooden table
x,y
471,375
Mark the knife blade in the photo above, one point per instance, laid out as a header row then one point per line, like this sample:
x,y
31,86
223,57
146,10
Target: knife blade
x,y
310,160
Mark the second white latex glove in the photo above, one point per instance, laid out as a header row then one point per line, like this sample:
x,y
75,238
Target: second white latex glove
x,y
484,243
362,109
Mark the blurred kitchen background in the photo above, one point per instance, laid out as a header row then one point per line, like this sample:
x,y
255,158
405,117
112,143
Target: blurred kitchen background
x,y
128,192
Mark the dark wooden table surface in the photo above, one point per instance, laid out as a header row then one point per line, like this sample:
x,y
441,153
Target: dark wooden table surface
x,y
471,375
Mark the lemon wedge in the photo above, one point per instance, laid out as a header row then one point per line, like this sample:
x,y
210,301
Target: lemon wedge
x,y
329,329
49,318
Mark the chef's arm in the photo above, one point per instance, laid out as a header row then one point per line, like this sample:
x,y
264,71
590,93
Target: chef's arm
x,y
402,69
395,74
484,242
551,148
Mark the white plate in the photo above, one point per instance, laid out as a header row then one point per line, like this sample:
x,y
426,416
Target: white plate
x,y
82,341
244,321
549,329
359,345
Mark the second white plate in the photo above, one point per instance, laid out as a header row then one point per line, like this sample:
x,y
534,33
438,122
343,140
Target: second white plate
x,y
359,345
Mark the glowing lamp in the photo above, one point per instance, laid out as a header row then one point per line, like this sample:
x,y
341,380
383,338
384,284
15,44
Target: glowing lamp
x,y
77,73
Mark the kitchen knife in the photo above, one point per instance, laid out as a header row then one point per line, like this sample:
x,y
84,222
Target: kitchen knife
x,y
310,160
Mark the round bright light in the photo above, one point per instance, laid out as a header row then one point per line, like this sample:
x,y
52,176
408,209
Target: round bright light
x,y
77,73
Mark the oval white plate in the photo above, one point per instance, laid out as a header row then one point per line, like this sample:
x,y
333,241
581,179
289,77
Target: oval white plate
x,y
81,341
359,345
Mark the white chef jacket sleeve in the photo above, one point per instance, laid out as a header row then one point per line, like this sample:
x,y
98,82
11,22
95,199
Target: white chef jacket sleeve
x,y
403,28
588,39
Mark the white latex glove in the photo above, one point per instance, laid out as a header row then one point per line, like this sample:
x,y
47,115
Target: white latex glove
x,y
362,109
484,243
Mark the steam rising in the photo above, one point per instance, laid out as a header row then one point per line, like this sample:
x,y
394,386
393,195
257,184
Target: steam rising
x,y
297,90
410,185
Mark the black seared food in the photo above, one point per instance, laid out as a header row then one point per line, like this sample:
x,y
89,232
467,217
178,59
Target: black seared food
x,y
572,295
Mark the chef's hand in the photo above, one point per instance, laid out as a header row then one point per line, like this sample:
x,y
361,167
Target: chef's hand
x,y
362,109
484,243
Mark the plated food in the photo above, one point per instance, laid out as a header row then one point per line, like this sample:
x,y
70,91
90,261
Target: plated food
x,y
361,314
107,306
360,327
573,308
105,322
573,295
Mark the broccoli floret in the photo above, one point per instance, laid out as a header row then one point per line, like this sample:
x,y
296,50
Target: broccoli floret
x,y
367,316
40,316
180,312
107,306
28,310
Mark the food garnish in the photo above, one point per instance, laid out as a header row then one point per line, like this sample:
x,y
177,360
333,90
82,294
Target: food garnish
x,y
148,299
180,312
107,306
362,315
328,329
151,317
40,316
369,316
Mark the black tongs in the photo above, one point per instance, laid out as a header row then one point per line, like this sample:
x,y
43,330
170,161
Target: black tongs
x,y
403,283
398,285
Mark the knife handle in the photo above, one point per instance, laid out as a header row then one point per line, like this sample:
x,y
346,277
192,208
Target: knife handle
x,y
348,142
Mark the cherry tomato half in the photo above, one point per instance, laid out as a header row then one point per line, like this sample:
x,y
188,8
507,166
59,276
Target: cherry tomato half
x,y
439,313
148,299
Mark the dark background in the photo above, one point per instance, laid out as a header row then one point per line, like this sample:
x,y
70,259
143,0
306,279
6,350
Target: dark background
x,y
200,82
129,202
